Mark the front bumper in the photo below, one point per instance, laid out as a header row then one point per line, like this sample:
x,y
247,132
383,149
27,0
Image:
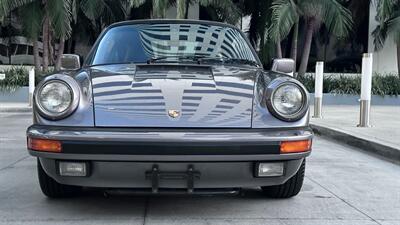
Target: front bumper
x,y
120,158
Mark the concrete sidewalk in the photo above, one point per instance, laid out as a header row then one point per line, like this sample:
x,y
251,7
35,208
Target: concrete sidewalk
x,y
383,137
15,107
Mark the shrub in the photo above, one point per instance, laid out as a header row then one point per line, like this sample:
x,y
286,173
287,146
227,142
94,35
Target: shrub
x,y
388,84
16,77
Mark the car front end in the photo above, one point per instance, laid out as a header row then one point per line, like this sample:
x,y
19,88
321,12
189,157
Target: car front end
x,y
186,125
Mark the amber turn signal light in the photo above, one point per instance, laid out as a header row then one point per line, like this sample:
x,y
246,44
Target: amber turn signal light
x,y
295,146
44,145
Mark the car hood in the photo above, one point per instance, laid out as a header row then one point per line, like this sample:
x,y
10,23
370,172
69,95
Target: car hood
x,y
165,95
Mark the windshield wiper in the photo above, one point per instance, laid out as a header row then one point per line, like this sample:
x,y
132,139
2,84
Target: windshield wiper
x,y
230,60
177,57
154,59
200,58
242,61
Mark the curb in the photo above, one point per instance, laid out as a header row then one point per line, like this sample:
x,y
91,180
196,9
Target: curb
x,y
388,152
15,110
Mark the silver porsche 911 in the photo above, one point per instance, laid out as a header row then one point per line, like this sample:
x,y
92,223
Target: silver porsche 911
x,y
171,106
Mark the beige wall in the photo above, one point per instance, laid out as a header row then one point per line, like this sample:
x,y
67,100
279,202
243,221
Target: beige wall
x,y
385,61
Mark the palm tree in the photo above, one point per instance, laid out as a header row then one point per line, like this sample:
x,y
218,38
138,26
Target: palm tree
x,y
286,13
182,9
53,19
159,7
101,13
57,17
7,6
388,16
98,13
50,17
257,10
31,16
260,18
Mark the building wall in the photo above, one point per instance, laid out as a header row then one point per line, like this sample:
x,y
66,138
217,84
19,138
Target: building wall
x,y
385,60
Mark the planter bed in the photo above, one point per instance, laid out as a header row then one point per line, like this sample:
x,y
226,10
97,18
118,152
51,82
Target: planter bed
x,y
19,95
344,99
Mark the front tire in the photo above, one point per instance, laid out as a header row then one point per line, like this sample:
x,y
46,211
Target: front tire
x,y
288,189
52,188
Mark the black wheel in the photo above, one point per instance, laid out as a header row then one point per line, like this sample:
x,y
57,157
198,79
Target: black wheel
x,y
52,188
288,189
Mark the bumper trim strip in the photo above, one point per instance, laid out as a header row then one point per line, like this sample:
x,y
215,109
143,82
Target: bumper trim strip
x,y
232,135
170,158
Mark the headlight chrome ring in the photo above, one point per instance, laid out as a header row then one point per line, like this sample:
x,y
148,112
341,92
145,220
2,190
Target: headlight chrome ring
x,y
66,85
296,89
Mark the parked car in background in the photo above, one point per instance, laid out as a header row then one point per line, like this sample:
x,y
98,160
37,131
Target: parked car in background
x,y
171,106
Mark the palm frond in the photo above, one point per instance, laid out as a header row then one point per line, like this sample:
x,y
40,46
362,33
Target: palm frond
x,y
336,18
388,16
113,12
136,3
74,10
9,5
60,14
393,26
159,8
228,7
92,9
284,15
384,8
311,9
31,16
380,35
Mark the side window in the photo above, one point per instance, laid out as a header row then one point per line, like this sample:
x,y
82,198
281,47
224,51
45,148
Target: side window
x,y
14,48
3,50
21,50
30,50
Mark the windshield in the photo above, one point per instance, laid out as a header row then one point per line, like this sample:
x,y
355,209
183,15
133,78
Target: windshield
x,y
171,42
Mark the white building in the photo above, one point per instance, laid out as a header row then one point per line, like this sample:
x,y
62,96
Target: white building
x,y
385,60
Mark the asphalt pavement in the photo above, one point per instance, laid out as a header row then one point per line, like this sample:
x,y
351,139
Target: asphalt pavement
x,y
342,186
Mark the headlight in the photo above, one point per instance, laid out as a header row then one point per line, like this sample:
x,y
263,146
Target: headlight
x,y
287,99
56,99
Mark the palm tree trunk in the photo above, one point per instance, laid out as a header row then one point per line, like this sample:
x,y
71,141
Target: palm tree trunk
x,y
60,53
36,60
398,59
187,4
51,49
293,50
307,47
45,40
181,9
278,49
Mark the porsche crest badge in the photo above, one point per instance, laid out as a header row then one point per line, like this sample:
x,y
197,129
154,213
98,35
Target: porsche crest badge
x,y
173,113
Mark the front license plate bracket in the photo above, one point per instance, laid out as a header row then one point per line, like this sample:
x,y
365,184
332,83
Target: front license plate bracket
x,y
155,175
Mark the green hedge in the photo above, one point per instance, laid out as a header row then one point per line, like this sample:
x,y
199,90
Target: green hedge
x,y
16,77
381,84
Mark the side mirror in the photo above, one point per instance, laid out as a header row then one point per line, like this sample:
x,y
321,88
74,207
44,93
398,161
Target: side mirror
x,y
70,62
284,65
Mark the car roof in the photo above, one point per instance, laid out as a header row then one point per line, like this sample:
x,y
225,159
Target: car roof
x,y
169,21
